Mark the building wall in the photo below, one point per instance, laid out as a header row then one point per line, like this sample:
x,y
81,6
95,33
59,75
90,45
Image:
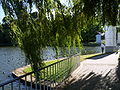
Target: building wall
x,y
110,36
110,39
118,41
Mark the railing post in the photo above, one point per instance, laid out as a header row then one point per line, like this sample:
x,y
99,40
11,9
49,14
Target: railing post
x,y
36,83
44,78
2,87
31,82
50,78
12,86
47,78
19,85
25,82
39,81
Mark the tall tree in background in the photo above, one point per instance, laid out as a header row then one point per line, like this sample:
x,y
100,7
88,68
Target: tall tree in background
x,y
105,10
5,33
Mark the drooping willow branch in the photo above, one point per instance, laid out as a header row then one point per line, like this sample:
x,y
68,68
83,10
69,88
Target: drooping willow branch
x,y
54,24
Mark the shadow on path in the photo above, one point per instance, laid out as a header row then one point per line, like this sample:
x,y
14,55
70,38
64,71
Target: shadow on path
x,y
118,70
100,56
95,82
110,80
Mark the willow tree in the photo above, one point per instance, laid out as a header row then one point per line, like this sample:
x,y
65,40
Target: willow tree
x,y
52,25
106,11
55,24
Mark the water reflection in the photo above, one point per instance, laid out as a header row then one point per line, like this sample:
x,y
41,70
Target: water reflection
x,y
10,59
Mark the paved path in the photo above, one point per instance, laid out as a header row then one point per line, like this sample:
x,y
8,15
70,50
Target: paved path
x,y
97,73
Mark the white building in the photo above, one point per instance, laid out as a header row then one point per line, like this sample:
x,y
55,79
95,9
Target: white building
x,y
110,39
98,38
118,34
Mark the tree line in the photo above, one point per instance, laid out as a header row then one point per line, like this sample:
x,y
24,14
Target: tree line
x,y
6,36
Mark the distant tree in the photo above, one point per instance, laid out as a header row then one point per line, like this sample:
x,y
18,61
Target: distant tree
x,y
1,34
105,10
5,32
89,32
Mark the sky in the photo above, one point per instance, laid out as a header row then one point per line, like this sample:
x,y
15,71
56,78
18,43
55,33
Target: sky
x,y
2,13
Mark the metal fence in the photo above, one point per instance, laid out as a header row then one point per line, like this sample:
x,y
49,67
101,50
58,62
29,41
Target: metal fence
x,y
50,76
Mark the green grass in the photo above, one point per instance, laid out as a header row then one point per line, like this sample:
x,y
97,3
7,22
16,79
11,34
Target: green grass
x,y
84,57
29,69
50,74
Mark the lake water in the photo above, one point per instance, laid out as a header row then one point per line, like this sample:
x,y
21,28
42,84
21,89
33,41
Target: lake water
x,y
12,58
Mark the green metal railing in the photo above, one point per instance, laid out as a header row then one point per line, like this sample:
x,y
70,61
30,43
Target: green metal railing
x,y
49,77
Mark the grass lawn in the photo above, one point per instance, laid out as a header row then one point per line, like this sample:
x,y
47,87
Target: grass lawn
x,y
55,72
29,69
82,58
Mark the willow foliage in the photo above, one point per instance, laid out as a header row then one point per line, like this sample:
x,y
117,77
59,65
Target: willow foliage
x,y
106,10
54,24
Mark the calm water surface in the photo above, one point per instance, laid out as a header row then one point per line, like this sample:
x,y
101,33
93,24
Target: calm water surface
x,y
13,57
10,59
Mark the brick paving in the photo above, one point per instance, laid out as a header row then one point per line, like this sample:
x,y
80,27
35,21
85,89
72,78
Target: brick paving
x,y
97,73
